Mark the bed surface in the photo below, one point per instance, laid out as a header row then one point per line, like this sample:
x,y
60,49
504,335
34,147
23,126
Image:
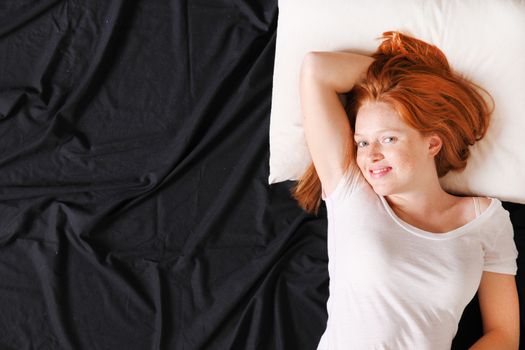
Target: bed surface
x,y
135,211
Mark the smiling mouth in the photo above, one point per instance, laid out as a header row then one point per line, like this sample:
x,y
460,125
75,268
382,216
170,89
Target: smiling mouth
x,y
380,173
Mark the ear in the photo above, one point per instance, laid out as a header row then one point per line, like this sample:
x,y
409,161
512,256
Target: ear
x,y
434,144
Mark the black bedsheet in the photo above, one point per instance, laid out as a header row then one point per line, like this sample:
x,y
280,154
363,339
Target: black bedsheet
x,y
135,210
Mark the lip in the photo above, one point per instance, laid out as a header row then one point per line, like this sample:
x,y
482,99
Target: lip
x,y
379,167
380,175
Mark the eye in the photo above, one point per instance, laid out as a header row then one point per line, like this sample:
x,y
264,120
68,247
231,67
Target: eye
x,y
358,143
392,138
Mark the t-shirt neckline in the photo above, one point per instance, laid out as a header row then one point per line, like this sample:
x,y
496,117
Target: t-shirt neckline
x,y
433,235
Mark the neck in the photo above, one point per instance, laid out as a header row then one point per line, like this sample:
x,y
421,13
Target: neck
x,y
424,201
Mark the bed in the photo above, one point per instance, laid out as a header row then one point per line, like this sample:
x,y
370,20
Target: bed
x,y
135,209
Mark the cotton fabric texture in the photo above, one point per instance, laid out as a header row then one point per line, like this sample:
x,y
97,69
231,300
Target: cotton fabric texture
x,y
395,286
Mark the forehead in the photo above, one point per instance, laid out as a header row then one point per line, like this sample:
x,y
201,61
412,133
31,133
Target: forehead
x,y
377,116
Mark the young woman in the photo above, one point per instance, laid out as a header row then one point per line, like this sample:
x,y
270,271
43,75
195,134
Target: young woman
x,y
405,256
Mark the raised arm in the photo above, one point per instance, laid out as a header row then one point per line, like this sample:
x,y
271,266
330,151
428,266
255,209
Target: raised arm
x,y
327,131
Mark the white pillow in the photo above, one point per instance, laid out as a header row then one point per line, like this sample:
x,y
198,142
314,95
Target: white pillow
x,y
484,40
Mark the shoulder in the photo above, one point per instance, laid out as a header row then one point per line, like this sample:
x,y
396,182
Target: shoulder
x,y
467,206
498,213
484,203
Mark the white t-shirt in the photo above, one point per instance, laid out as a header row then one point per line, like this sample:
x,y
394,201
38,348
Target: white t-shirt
x,y
394,286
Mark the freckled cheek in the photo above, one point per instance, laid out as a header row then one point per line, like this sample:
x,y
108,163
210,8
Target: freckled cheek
x,y
405,163
401,161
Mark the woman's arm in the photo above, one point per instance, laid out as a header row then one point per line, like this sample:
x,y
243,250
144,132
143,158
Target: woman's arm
x,y
326,127
338,70
500,312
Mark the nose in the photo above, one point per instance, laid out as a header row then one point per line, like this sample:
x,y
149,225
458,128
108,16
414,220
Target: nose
x,y
374,152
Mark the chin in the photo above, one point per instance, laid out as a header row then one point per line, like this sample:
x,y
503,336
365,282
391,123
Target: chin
x,y
381,190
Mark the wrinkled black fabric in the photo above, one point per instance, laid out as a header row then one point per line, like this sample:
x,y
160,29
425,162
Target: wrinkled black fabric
x,y
135,211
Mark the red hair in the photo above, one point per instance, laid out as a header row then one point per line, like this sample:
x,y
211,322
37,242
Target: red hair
x,y
414,78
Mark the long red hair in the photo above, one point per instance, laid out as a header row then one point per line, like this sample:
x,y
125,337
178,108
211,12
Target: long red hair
x,y
413,77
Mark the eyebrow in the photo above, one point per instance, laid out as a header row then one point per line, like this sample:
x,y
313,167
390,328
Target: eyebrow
x,y
382,130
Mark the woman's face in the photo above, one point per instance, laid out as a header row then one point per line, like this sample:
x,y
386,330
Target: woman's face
x,y
384,140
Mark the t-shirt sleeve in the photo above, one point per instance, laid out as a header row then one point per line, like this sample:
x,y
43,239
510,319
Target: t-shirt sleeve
x,y
348,182
501,256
